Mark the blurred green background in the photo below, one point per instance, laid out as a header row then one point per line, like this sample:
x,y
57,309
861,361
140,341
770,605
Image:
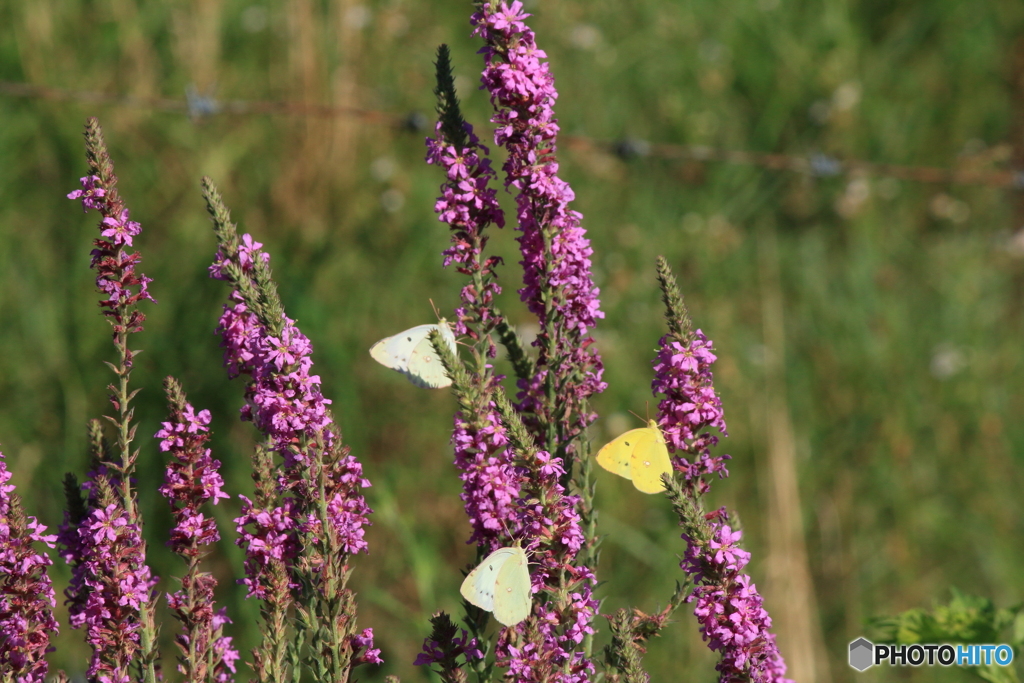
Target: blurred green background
x,y
869,330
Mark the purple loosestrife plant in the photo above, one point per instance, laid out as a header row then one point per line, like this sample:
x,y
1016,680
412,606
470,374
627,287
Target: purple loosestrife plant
x,y
730,611
309,514
547,645
192,479
469,206
559,288
26,594
111,587
111,590
490,480
558,285
682,375
524,489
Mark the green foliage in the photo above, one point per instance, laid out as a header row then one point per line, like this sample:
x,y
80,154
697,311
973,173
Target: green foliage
x,y
966,619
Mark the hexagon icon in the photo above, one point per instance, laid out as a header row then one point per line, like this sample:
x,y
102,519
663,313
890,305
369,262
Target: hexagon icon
x,y
861,654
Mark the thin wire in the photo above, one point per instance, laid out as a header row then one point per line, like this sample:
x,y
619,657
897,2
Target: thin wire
x,y
199,106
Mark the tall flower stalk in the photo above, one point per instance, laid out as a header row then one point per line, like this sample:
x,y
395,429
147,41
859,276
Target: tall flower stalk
x,y
558,286
504,476
469,206
192,479
559,289
111,590
308,515
27,599
729,609
490,480
547,645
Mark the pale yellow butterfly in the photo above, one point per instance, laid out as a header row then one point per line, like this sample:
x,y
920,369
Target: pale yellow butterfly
x,y
411,353
639,455
501,585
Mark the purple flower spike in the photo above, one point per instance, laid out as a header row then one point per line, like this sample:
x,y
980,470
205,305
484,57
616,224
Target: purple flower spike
x,y
308,515
520,490
559,288
110,583
546,647
192,479
27,599
491,482
730,611
111,588
682,373
469,206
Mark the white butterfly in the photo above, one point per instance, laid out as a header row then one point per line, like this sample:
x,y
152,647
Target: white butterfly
x,y
412,354
501,585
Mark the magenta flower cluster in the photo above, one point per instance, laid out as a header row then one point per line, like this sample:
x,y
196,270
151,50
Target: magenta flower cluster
x,y
523,93
546,647
729,609
269,539
468,205
362,646
110,582
26,594
192,478
284,401
559,288
116,267
690,406
490,481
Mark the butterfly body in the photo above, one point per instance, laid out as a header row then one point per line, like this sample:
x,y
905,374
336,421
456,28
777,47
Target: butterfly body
x,y
639,455
411,353
501,585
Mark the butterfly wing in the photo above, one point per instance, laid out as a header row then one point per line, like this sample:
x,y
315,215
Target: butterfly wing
x,y
424,368
617,455
513,594
395,351
649,460
479,585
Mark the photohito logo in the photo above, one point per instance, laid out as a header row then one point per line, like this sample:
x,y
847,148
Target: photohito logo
x,y
865,654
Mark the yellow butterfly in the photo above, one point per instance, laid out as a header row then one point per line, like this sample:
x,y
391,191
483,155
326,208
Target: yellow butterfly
x,y
639,455
501,585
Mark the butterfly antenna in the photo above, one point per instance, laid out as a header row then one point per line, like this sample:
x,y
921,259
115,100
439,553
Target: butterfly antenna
x,y
517,541
507,530
437,314
637,417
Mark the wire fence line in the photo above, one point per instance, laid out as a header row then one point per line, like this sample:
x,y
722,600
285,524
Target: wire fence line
x,y
199,106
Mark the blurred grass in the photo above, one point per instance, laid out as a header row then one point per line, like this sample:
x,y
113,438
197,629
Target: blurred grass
x,y
903,354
